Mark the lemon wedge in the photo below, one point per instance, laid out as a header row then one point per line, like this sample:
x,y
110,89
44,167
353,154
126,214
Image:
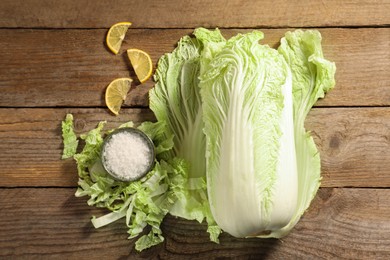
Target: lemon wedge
x,y
116,93
142,64
115,36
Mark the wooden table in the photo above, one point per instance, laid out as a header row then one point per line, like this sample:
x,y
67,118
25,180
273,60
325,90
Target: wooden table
x,y
53,61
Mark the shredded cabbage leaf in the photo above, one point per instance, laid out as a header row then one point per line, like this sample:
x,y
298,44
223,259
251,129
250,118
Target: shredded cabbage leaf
x,y
141,203
69,137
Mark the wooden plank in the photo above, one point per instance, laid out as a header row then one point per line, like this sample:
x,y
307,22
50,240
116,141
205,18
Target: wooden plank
x,y
31,143
353,142
49,67
43,223
188,14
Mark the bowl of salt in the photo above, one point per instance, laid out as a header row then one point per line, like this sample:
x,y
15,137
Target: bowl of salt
x,y
127,154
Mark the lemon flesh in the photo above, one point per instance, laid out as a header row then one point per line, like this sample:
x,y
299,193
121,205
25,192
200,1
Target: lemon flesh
x,y
141,63
115,36
116,94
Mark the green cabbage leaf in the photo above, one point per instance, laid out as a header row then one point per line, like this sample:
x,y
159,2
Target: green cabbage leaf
x,y
176,102
141,203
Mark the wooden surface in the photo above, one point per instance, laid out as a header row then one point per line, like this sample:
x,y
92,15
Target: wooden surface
x,y
54,61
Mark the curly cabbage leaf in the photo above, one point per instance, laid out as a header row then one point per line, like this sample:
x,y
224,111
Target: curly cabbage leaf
x,y
175,101
141,203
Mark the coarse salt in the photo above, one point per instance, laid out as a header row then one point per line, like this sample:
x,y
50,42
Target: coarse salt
x,y
127,155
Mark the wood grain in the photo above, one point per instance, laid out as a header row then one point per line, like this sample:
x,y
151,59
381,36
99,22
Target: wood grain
x,y
44,68
353,142
188,14
350,142
43,223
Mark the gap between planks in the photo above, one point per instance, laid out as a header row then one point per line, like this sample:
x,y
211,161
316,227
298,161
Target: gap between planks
x,y
219,27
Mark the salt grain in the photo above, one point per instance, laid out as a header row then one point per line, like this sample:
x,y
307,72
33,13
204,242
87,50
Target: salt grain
x,y
127,155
